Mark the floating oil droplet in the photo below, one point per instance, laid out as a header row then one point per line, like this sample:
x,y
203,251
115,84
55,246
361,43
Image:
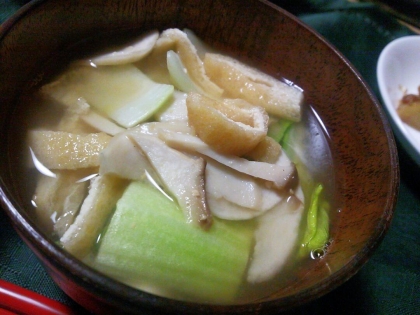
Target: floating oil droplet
x,y
317,253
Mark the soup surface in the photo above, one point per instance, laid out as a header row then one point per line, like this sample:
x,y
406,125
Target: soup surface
x,y
177,169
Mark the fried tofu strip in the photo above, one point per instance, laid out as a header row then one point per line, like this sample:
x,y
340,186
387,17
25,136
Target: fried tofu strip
x,y
268,150
58,199
231,126
64,150
241,81
103,195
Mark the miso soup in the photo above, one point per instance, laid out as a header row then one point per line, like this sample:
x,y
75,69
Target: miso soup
x,y
177,169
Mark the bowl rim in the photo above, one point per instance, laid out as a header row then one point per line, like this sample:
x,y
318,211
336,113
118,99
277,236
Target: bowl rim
x,y
86,275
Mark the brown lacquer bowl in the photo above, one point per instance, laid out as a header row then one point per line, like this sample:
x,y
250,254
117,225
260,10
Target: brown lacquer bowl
x,y
362,145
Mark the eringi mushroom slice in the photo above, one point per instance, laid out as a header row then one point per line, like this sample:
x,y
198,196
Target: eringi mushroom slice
x,y
130,53
154,128
246,197
175,110
123,158
101,123
276,238
225,209
278,174
182,175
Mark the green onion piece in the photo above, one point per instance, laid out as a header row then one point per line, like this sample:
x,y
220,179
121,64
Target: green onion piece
x,y
179,74
144,106
149,245
278,130
291,143
123,92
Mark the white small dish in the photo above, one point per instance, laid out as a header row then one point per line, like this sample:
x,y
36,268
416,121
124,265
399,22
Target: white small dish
x,y
398,71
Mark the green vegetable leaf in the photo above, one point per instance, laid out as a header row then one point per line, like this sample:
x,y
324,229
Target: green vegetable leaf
x,y
149,245
317,231
278,129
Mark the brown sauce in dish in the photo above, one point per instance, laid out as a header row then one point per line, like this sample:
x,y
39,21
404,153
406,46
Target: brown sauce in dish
x,y
409,109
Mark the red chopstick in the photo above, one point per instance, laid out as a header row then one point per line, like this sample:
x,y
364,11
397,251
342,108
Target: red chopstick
x,y
6,312
16,299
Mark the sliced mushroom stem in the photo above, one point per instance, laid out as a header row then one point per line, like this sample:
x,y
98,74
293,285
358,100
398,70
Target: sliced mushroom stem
x,y
278,175
182,175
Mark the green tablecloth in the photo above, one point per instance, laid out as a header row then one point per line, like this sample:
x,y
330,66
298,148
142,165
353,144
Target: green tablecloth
x,y
390,282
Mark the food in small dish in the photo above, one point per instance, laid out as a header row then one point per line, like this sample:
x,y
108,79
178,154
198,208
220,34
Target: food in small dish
x,y
409,109
398,74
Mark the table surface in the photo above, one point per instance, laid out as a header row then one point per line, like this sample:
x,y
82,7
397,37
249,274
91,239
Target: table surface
x,y
389,283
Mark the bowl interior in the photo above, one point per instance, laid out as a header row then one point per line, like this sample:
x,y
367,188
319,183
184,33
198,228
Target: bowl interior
x,y
256,32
